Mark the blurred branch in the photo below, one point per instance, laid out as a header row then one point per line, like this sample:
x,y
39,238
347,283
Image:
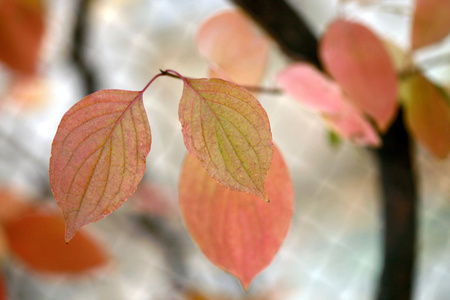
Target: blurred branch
x,y
397,175
399,211
288,29
79,41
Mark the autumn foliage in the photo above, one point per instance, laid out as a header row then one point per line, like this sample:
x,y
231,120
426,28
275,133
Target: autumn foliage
x,y
235,191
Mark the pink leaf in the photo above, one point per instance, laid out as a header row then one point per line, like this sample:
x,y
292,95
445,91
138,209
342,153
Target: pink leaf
x,y
98,156
228,130
359,62
236,50
427,114
236,231
431,22
309,86
351,125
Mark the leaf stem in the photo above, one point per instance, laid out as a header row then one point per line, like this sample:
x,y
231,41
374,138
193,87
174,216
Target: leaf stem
x,y
256,89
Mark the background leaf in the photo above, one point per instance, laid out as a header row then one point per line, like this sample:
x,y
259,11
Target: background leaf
x,y
359,62
2,289
431,22
351,124
12,203
236,50
21,31
98,156
229,132
427,114
35,239
236,231
310,87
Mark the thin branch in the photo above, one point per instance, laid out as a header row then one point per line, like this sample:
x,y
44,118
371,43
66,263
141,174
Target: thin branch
x,y
255,89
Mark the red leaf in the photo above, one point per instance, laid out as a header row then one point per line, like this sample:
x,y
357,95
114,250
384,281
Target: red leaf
x,y
2,289
359,62
431,22
427,114
307,85
238,232
21,31
229,132
35,239
236,50
98,156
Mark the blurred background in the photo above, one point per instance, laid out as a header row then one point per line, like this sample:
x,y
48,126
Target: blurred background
x,y
333,248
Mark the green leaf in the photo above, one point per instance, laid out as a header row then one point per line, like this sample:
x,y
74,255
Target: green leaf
x,y
227,129
98,156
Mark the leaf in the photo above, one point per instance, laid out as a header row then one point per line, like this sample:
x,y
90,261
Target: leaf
x,y
236,50
351,125
431,22
12,203
98,156
427,114
156,199
35,239
236,231
2,289
3,248
28,92
229,132
357,59
21,32
310,87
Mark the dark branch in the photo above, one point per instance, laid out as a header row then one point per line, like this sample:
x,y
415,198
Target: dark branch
x,y
289,29
79,41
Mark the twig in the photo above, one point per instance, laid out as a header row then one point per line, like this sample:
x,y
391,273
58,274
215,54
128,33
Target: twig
x,y
255,89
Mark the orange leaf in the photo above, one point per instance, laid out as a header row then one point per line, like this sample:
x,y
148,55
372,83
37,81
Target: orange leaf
x,y
236,231
98,156
35,239
427,114
359,62
12,204
236,50
3,247
431,22
21,31
229,132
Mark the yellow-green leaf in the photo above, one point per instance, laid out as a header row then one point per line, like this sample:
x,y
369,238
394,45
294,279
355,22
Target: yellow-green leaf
x,y
427,114
98,156
229,131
